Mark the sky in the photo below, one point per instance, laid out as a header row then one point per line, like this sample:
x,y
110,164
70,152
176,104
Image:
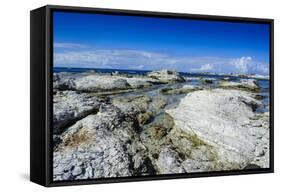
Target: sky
x,y
145,43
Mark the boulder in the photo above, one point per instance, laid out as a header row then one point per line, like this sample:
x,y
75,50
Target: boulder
x,y
95,83
102,145
142,82
70,106
166,76
144,118
224,120
244,84
64,81
207,80
183,90
158,103
132,105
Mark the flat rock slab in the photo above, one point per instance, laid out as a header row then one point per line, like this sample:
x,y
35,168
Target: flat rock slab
x,y
225,120
245,84
88,82
69,106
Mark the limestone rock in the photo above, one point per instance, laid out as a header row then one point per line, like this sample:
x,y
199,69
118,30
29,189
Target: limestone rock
x,y
183,90
97,83
169,162
70,106
223,119
207,80
101,145
166,76
245,84
144,118
93,82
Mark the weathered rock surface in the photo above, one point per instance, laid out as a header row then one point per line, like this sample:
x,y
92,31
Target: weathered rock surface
x,y
102,83
245,84
166,76
109,83
144,118
64,81
195,154
92,82
141,82
229,124
101,145
207,80
169,162
172,150
183,90
70,106
142,133
132,105
158,103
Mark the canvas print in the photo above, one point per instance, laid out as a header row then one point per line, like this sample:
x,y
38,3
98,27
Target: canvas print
x,y
138,96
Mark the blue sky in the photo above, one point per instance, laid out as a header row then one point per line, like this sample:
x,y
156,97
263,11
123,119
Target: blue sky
x,y
142,43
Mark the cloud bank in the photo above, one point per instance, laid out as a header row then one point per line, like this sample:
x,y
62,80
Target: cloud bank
x,y
145,60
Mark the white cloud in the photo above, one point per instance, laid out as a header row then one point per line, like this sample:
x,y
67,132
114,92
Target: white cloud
x,y
145,60
263,69
102,58
242,64
204,68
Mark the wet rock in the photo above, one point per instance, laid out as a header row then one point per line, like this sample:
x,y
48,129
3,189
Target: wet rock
x,y
252,166
158,103
144,118
166,76
196,155
183,90
207,80
141,82
259,97
155,136
133,105
158,132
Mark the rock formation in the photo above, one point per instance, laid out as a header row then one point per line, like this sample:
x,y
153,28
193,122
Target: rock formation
x,y
225,120
166,76
115,125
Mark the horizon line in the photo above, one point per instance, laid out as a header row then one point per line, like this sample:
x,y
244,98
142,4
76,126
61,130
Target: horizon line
x,y
161,70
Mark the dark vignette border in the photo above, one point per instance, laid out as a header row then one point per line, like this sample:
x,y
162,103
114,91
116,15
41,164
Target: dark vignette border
x,y
49,100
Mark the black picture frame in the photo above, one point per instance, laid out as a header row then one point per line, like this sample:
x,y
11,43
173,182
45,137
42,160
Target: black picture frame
x,y
41,58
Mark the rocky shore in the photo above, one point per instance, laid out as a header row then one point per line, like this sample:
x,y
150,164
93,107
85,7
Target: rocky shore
x,y
119,125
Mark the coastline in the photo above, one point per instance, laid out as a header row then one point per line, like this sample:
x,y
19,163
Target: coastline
x,y
143,117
